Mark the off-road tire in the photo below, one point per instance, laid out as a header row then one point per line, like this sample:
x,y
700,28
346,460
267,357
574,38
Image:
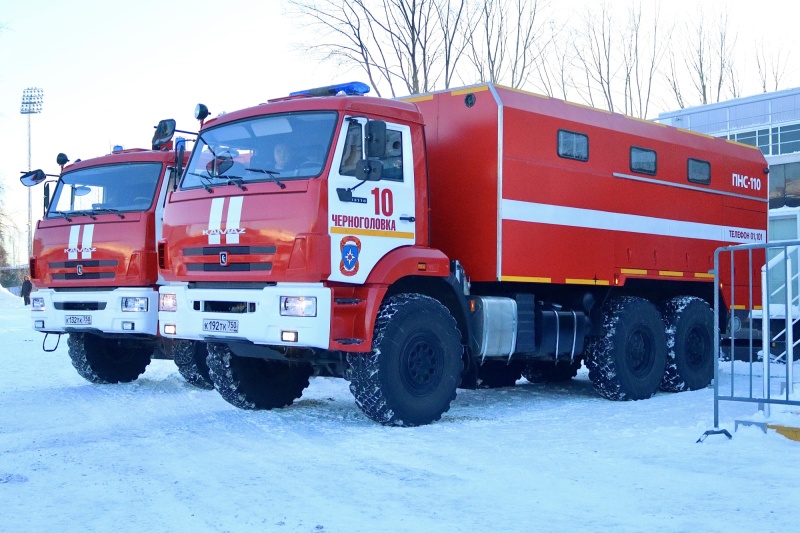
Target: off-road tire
x,y
190,358
497,374
550,371
250,383
628,361
411,375
102,360
690,344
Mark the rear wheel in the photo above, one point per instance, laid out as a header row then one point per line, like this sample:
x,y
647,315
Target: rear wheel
x,y
690,338
107,360
628,361
250,383
550,371
411,375
190,358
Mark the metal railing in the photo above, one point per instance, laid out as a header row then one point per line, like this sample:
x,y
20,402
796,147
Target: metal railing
x,y
760,341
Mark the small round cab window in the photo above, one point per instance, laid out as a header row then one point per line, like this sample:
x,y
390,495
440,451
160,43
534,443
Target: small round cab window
x,y
106,189
272,148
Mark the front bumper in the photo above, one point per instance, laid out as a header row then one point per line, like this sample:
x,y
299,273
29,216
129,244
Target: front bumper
x,y
256,313
72,311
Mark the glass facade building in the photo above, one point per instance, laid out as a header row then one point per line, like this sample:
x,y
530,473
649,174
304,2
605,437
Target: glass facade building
x,y
770,121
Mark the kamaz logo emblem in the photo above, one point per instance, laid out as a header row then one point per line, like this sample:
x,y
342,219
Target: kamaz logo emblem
x,y
79,250
79,270
231,231
223,258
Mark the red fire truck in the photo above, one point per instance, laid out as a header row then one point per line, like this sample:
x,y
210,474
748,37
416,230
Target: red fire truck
x,y
94,262
456,239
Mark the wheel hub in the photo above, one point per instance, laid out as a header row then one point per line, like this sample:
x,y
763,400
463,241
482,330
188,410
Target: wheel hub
x,y
421,364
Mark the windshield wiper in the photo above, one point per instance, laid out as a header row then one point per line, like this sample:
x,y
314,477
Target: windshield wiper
x,y
207,178
271,174
236,180
63,214
84,213
109,210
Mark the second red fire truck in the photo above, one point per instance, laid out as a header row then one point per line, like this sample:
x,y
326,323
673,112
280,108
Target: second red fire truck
x,y
455,239
94,262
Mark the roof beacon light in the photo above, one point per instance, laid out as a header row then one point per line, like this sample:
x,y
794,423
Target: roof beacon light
x,y
353,87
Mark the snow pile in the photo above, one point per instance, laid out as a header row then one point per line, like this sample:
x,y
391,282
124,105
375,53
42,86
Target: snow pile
x,y
9,300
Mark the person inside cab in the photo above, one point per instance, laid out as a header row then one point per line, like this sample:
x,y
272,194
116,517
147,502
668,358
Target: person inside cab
x,y
284,158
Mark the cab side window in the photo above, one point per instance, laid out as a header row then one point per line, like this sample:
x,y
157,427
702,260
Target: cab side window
x,y
353,149
393,159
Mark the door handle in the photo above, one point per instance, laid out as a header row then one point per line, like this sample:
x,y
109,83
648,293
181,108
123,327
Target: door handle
x,y
407,219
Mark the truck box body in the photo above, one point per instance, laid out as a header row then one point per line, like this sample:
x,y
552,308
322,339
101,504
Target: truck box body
x,y
509,208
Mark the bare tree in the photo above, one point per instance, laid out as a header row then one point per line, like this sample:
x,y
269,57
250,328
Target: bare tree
x,y
554,69
509,41
594,50
771,68
709,60
398,43
643,52
452,15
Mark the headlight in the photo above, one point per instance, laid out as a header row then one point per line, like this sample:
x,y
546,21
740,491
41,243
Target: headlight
x,y
298,306
37,304
138,304
167,302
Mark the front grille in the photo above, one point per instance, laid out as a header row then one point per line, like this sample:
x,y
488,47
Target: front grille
x,y
86,263
232,250
231,267
210,306
86,275
79,306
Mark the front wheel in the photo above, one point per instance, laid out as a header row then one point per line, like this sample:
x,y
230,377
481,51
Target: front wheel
x,y
106,360
190,358
250,383
411,375
627,362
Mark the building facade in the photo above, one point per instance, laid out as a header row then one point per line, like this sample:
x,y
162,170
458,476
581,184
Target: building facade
x,y
770,121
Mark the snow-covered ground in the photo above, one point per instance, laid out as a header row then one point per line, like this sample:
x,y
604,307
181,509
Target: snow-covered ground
x,y
159,455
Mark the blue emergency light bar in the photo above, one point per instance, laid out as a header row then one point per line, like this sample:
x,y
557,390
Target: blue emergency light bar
x,y
353,87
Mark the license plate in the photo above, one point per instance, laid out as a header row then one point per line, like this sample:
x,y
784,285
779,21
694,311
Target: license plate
x,y
220,326
78,320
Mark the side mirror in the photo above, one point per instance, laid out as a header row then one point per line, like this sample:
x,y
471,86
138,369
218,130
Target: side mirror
x,y
164,132
376,138
34,177
219,165
81,190
369,170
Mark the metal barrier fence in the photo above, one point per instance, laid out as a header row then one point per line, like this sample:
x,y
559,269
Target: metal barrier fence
x,y
759,340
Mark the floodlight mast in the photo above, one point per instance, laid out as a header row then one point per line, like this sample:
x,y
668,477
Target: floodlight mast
x,y
32,99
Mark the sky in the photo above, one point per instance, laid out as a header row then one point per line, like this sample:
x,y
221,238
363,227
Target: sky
x,y
159,455
110,72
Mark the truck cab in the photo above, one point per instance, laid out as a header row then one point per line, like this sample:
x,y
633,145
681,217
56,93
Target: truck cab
x,y
94,259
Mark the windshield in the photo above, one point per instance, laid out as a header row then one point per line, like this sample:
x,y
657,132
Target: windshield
x,y
125,187
273,148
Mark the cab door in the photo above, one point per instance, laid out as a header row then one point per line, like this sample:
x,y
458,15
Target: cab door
x,y
369,219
